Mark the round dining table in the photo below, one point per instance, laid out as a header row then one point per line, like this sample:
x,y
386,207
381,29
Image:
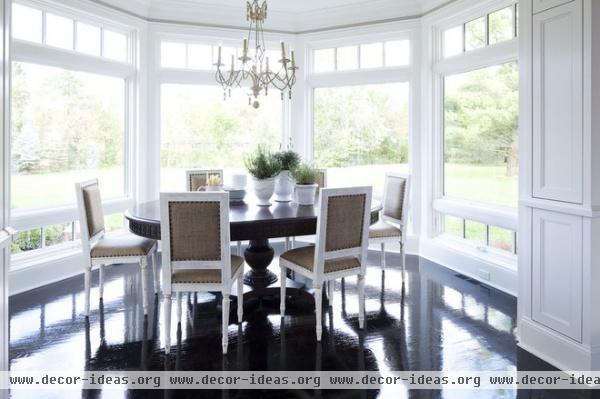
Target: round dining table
x,y
253,223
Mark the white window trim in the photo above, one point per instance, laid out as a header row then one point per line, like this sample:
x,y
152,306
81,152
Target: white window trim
x,y
41,54
197,35
405,74
491,55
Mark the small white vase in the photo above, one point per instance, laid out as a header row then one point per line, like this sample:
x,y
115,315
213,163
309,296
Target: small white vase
x,y
214,188
284,186
306,193
263,190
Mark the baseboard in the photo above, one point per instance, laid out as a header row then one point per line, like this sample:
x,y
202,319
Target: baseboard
x,y
550,346
46,272
496,275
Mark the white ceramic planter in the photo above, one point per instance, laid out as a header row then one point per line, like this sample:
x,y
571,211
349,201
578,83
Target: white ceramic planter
x,y
214,188
306,193
263,190
284,186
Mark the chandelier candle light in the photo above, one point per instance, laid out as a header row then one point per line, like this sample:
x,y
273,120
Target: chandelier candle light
x,y
256,70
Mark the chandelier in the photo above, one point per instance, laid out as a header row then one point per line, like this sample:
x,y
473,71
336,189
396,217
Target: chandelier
x,y
254,68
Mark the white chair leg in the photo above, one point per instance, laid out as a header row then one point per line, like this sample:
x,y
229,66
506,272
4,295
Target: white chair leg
x,y
101,281
287,243
282,279
383,255
361,301
239,248
319,310
155,272
144,267
167,327
225,318
330,285
402,258
240,298
293,243
179,309
88,285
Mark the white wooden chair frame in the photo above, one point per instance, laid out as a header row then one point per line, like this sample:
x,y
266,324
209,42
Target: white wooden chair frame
x,y
399,223
291,244
88,243
224,264
318,275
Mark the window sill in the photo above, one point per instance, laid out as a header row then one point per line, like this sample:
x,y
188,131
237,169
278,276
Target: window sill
x,y
504,217
500,258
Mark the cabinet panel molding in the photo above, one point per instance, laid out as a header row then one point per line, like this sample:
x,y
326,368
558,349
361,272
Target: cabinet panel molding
x,y
558,104
557,272
543,5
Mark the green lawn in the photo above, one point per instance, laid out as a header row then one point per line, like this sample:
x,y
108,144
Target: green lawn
x,y
53,189
487,184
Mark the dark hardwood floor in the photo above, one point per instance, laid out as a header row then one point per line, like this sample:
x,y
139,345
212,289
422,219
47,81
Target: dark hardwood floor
x,y
437,320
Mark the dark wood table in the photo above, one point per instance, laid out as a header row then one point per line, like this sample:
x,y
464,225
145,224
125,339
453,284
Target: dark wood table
x,y
253,223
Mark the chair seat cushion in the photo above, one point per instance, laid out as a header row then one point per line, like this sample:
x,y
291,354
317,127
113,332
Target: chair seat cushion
x,y
305,258
205,276
382,229
122,246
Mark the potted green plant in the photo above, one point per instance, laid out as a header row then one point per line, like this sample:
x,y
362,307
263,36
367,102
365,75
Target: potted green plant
x,y
263,166
284,183
306,188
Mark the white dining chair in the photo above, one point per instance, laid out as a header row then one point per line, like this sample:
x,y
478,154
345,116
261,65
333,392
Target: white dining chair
x,y
391,227
197,254
321,183
340,249
198,178
101,249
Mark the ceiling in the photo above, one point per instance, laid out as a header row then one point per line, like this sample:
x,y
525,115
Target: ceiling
x,y
286,15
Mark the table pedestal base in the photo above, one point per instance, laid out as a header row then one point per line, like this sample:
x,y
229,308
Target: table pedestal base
x,y
259,256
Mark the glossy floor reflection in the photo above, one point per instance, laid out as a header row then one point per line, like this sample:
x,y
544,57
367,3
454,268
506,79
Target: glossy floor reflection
x,y
437,320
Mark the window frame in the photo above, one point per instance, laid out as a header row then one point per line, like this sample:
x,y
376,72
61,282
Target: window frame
x,y
357,77
186,76
24,219
467,61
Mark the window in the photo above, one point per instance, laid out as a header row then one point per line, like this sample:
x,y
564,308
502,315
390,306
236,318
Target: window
x,y
490,29
347,58
64,234
479,235
397,53
88,39
59,31
200,130
453,44
481,135
66,126
195,56
502,25
361,132
173,55
393,53
325,60
371,55
115,46
27,23
475,34
40,26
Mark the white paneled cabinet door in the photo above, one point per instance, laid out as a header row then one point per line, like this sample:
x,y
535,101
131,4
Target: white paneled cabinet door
x,y
557,272
558,103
